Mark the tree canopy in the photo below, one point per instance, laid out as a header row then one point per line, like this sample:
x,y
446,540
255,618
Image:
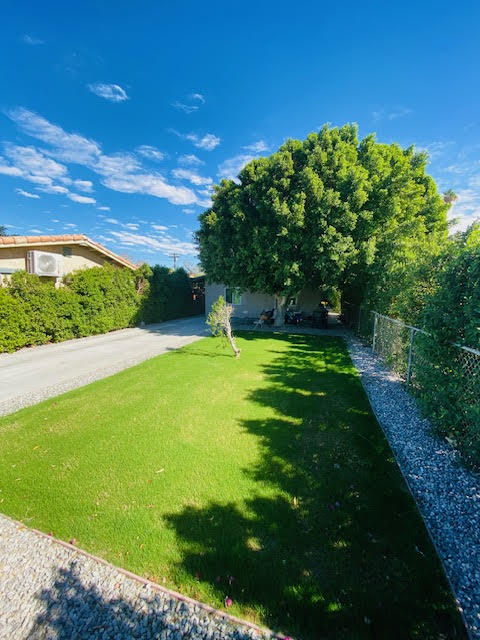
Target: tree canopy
x,y
329,212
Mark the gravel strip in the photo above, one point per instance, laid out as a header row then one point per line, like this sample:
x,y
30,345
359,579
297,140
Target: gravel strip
x,y
50,590
447,494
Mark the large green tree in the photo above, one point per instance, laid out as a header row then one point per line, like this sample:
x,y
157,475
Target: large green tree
x,y
328,212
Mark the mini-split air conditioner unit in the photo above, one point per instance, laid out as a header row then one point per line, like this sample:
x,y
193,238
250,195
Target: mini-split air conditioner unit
x,y
43,263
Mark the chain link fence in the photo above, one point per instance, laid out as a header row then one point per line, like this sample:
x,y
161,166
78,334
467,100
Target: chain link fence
x,y
445,377
359,319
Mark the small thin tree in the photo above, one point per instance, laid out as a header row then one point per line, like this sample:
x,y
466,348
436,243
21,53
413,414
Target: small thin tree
x,y
219,322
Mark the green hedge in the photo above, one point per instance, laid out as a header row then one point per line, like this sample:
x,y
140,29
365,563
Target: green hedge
x,y
449,378
170,296
92,301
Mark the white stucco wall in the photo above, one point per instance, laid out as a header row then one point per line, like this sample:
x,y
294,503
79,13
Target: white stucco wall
x,y
15,257
254,303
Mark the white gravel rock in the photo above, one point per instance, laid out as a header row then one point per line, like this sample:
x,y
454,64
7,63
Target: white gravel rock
x,y
49,591
447,494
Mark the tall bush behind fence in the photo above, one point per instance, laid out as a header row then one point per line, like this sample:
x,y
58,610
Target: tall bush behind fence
x,y
92,301
444,375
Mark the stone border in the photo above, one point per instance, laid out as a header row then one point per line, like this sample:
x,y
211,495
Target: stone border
x,y
441,488
235,621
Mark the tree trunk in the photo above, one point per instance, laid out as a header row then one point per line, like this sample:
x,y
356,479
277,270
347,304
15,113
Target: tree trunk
x,y
280,310
231,339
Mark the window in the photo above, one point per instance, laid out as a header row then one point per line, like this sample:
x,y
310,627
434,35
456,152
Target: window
x,y
292,302
67,252
233,295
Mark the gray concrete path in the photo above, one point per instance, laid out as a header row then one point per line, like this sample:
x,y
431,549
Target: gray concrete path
x,y
31,375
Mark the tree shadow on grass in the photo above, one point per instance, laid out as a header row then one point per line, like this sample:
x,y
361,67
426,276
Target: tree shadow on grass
x,y
340,551
75,609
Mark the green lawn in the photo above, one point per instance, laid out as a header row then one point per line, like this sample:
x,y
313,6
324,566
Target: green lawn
x,y
194,466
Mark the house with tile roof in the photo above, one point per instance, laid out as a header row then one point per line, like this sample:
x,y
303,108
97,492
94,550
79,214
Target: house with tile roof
x,y
53,257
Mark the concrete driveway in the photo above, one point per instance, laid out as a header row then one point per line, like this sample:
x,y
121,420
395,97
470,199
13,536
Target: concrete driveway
x,y
33,374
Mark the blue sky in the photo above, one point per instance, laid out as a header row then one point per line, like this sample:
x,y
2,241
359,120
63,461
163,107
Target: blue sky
x,y
117,118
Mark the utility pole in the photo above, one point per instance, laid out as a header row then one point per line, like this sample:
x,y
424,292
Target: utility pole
x,y
175,261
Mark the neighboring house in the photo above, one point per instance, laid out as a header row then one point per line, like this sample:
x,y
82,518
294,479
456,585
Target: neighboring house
x,y
53,257
248,306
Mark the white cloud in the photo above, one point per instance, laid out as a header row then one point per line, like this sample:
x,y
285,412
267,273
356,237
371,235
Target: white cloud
x,y
129,225
112,92
81,199
69,147
150,184
194,178
32,41
83,185
165,244
8,170
382,114
27,194
106,239
434,149
34,165
466,209
35,231
159,227
257,147
474,181
54,188
190,106
188,211
70,225
191,160
152,153
205,204
231,167
120,171
116,163
208,142
103,208
186,108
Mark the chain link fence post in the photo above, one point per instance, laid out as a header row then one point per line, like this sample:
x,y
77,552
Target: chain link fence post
x,y
410,353
374,330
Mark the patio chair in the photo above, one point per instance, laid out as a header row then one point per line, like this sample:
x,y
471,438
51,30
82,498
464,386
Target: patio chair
x,y
266,317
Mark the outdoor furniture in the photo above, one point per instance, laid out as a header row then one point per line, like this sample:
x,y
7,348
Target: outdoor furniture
x,y
266,317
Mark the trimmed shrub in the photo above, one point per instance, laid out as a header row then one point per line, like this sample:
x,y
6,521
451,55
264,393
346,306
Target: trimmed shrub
x,y
169,296
107,297
92,301
14,322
